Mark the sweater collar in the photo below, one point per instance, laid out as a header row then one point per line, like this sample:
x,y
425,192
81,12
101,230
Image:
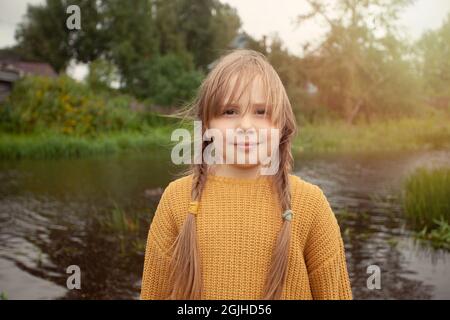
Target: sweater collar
x,y
233,180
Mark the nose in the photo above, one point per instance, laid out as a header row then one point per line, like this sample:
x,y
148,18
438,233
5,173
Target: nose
x,y
246,129
246,123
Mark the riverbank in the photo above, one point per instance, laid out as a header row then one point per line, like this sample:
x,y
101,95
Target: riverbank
x,y
49,145
407,134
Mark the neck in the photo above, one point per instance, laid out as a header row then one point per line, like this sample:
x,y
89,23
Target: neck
x,y
231,171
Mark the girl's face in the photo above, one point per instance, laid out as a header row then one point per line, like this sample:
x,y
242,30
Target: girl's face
x,y
248,140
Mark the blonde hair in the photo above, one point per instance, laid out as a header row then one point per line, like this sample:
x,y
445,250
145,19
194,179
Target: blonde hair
x,y
185,275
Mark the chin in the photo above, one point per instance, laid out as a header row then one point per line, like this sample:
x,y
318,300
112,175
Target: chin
x,y
245,166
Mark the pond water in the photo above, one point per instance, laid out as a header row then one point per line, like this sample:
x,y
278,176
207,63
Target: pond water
x,y
95,213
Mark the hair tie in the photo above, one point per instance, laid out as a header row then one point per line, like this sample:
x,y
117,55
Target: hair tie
x,y
288,215
193,207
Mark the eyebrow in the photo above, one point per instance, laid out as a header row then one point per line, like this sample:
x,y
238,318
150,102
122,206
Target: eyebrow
x,y
261,104
257,104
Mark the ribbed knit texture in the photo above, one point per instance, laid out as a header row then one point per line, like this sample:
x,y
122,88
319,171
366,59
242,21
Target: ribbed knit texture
x,y
237,225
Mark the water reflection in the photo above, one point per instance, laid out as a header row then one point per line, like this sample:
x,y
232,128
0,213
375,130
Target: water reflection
x,y
95,213
364,192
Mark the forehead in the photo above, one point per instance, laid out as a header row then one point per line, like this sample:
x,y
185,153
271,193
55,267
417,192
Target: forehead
x,y
245,91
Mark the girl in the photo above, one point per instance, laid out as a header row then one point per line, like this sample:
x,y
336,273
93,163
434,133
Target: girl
x,y
226,231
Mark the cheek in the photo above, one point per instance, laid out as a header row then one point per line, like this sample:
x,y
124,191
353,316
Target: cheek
x,y
264,123
222,126
267,128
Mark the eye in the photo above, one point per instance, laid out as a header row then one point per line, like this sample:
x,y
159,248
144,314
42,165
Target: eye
x,y
229,112
261,111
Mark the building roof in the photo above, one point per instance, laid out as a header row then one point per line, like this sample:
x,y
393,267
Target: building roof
x,y
28,68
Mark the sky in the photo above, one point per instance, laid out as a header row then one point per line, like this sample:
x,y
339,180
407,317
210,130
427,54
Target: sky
x,y
267,16
261,17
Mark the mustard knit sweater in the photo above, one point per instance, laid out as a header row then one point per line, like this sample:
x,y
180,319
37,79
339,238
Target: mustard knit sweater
x,y
237,225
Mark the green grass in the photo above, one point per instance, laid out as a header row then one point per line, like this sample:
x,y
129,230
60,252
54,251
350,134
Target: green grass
x,y
426,200
52,145
407,134
426,196
119,222
126,228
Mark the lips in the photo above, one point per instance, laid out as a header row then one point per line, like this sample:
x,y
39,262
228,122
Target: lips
x,y
246,144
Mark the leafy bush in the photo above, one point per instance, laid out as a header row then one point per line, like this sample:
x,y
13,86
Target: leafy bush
x,y
65,106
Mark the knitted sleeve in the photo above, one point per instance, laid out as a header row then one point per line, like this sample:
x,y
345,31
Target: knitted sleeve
x,y
325,256
162,234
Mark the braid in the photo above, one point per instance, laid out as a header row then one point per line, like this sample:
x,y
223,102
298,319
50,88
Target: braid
x,y
199,179
278,269
185,265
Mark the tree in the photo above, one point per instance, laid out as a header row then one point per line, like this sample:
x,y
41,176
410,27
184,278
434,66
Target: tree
x,y
166,16
206,27
434,50
362,65
292,73
225,26
131,37
44,35
102,75
92,40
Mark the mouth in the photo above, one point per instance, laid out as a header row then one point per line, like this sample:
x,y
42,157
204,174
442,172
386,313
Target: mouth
x,y
246,145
